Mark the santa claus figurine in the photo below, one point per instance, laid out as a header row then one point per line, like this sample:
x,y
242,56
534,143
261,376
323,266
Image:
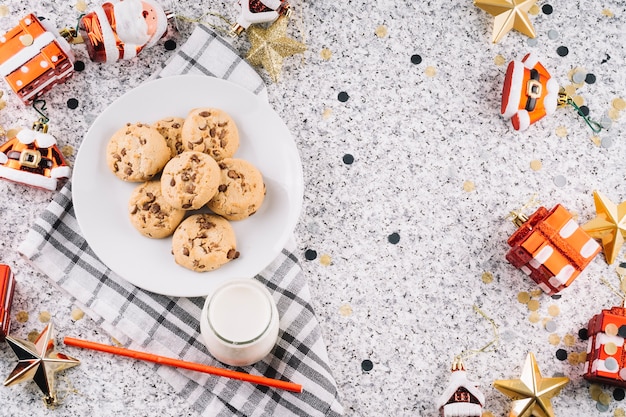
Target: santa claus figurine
x,y
115,31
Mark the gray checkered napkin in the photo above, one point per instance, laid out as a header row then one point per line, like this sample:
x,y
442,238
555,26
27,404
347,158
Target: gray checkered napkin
x,y
169,326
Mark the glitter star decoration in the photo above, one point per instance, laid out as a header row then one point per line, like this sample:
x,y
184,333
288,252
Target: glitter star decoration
x,y
531,393
509,14
609,225
39,361
270,46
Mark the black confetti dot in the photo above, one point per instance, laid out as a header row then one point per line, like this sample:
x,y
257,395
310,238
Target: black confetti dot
x,y
367,365
343,97
556,296
547,9
79,66
393,238
562,50
416,59
348,159
584,110
72,103
310,254
170,45
590,78
583,334
621,332
619,394
561,354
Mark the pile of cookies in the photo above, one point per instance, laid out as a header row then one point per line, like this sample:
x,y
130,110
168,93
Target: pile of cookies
x,y
185,165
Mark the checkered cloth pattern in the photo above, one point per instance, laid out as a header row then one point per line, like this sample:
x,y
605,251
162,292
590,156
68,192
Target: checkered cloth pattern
x,y
169,326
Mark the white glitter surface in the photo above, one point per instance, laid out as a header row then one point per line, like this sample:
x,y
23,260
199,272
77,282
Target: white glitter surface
x,y
416,140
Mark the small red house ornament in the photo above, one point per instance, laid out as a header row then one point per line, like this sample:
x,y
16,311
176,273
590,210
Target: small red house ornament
x,y
7,288
34,58
462,398
606,353
551,248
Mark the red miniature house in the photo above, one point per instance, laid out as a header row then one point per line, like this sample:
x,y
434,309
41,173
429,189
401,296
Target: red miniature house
x,y
461,398
606,356
551,248
7,288
34,58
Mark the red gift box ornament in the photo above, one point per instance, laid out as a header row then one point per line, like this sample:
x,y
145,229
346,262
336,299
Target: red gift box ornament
x,y
7,288
606,356
121,30
258,11
551,248
33,158
34,57
462,398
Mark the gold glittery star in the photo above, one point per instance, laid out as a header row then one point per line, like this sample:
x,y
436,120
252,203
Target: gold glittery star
x,y
609,225
270,46
39,361
531,393
509,14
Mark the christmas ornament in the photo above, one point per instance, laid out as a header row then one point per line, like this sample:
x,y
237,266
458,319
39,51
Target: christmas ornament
x,y
550,247
258,11
462,398
120,30
531,393
606,359
34,58
529,93
509,14
609,225
7,288
33,158
270,46
39,361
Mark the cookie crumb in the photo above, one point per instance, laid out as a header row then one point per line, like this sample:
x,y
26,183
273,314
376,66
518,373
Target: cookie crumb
x,y
561,131
469,186
327,113
381,31
430,71
345,310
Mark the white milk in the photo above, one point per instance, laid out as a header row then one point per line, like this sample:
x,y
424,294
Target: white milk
x,y
239,322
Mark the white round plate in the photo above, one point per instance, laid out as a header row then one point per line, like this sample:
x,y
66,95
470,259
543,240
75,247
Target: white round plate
x,y
101,199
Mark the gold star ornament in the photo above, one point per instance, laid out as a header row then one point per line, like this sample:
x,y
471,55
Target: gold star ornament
x,y
39,361
509,14
270,46
609,225
531,393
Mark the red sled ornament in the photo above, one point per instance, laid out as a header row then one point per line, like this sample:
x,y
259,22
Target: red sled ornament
x,y
258,11
606,356
115,31
551,248
33,58
462,398
33,158
529,92
7,288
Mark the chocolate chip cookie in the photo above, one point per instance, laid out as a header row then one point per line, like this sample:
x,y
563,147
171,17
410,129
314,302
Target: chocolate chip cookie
x,y
241,190
190,180
171,129
150,214
211,131
137,152
204,242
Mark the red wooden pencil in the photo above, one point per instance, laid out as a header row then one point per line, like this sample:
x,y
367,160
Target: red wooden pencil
x,y
242,376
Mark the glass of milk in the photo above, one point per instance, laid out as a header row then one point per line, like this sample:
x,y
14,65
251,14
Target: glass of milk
x,y
239,322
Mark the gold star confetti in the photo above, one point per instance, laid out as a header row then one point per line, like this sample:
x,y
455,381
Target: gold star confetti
x,y
561,131
326,54
487,277
4,10
509,14
44,317
469,186
327,113
499,60
609,225
531,393
430,71
77,314
345,310
523,297
21,317
381,31
325,260
81,5
270,46
535,165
